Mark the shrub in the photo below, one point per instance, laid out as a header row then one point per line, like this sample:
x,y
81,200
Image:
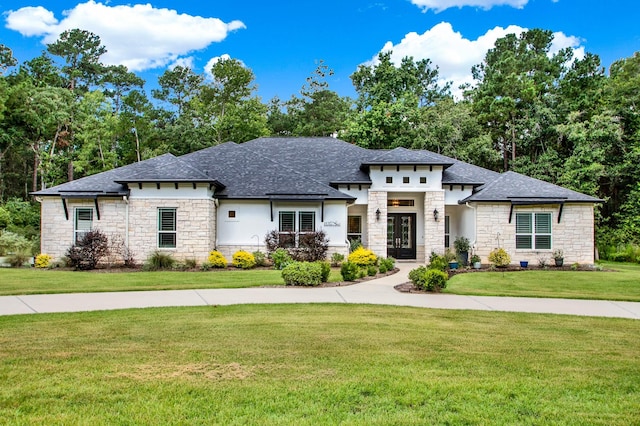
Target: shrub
x,y
217,260
349,271
260,258
206,266
337,259
281,258
312,246
363,257
438,262
86,253
10,242
42,260
499,257
388,263
17,260
302,273
354,245
244,260
326,270
428,279
159,261
372,270
190,263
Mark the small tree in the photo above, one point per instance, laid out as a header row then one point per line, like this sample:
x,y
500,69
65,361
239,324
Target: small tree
x,y
86,253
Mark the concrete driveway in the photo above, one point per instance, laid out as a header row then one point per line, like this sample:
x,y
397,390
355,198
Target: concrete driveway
x,y
379,292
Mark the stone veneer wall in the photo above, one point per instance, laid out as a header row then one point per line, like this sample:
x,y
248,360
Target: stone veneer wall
x,y
57,231
195,220
433,231
377,228
574,234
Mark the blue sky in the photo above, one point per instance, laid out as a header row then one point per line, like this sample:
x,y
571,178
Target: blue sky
x,y
282,42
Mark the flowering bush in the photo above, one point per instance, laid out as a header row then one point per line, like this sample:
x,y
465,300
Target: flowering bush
x,y
42,260
217,260
363,257
499,257
243,259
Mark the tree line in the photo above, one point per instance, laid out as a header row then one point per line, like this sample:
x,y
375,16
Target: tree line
x,y
550,115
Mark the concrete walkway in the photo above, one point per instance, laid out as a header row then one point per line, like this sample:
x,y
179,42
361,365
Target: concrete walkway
x,y
379,292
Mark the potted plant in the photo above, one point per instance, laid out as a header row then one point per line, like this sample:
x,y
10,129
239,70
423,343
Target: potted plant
x,y
461,244
475,261
558,256
524,263
450,257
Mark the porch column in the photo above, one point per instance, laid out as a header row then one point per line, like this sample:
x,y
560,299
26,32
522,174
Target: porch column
x,y
377,227
433,230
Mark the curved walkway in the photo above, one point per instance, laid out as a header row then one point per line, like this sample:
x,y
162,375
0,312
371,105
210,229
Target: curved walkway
x,y
379,292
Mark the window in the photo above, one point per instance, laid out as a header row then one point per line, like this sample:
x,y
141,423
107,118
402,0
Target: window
x,y
307,221
533,231
354,228
423,179
83,222
406,179
400,203
447,232
389,179
289,232
167,228
232,214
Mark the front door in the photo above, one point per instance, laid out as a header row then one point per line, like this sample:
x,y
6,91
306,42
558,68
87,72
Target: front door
x,y
401,235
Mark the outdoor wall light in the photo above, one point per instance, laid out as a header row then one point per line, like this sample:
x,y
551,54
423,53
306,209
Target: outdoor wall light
x,y
435,214
377,215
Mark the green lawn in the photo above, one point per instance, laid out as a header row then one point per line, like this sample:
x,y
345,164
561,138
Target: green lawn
x,y
620,281
35,281
39,281
318,364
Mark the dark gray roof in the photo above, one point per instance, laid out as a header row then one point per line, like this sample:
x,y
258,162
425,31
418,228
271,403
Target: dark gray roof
x,y
306,169
250,170
462,173
408,156
519,189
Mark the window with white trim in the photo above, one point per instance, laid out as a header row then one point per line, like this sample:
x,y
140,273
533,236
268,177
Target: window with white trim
x,y
167,229
354,228
533,231
307,221
83,222
289,229
447,232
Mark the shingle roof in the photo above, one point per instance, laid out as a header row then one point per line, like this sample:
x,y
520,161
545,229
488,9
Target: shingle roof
x,y
407,156
516,188
306,168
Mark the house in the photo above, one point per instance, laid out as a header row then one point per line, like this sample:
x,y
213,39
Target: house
x,y
400,203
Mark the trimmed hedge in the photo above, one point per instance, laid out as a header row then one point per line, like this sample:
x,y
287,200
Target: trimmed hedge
x,y
243,259
363,257
217,260
302,273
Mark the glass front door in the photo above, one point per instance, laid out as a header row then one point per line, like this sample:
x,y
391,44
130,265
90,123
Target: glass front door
x,y
401,235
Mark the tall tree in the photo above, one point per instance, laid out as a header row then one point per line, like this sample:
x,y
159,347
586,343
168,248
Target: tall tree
x,y
515,93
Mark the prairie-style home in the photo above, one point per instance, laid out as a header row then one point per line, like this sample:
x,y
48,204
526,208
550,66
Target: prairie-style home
x,y
400,203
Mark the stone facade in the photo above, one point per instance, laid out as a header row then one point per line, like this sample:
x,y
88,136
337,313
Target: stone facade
x,y
377,227
433,230
195,225
57,231
195,233
574,235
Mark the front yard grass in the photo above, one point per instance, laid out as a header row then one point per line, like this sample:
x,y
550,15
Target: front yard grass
x,y
318,364
37,281
619,281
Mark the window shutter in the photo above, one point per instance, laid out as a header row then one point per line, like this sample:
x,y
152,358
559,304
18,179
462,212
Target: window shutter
x,y
543,223
307,222
287,222
523,223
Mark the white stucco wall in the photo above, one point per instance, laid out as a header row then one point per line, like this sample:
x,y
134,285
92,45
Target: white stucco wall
x,y
361,192
433,175
461,223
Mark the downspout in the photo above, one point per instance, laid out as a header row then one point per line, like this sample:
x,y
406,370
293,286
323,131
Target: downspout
x,y
126,220
475,224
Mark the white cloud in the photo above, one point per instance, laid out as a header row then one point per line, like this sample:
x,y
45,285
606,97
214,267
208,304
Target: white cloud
x,y
31,21
455,55
440,5
139,36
